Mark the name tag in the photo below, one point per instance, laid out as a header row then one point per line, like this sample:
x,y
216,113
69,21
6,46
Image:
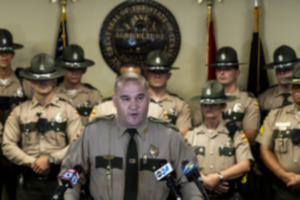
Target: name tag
x,y
282,125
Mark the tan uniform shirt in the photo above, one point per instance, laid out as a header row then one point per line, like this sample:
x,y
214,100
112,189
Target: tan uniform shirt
x,y
22,143
107,138
272,98
10,93
244,110
215,149
276,135
107,108
176,110
83,100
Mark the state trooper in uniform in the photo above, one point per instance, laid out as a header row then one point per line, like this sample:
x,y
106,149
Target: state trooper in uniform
x,y
119,154
37,132
106,106
223,152
11,94
157,73
279,95
81,95
280,143
244,110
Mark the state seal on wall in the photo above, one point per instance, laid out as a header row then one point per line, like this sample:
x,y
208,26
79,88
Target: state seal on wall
x,y
133,29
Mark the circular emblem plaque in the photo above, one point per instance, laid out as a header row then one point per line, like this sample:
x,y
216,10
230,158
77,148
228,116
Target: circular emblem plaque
x,y
133,29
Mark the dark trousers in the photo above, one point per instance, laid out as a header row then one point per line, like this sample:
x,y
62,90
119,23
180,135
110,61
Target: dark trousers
x,y
8,178
35,189
284,193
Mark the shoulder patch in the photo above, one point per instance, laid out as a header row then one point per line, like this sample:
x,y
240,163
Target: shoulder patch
x,y
89,86
244,137
77,135
155,120
261,130
104,117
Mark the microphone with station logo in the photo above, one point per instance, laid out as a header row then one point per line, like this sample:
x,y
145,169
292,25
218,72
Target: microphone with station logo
x,y
165,173
69,180
191,172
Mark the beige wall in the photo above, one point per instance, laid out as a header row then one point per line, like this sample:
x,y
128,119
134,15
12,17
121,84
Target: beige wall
x,y
34,23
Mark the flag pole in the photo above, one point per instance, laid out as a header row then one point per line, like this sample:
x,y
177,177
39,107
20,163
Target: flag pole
x,y
257,75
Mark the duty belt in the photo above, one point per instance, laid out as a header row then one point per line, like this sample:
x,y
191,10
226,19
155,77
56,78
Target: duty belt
x,y
54,126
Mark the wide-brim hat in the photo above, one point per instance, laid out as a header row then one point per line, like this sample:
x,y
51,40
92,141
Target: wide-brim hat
x,y
213,93
42,68
295,79
226,56
6,41
284,57
158,60
73,57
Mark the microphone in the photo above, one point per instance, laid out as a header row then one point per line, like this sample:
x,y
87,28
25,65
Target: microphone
x,y
165,172
191,172
69,180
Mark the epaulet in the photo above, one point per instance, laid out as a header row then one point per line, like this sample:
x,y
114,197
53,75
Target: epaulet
x,y
89,86
106,99
195,126
272,86
175,95
104,117
152,100
155,120
17,73
250,94
62,99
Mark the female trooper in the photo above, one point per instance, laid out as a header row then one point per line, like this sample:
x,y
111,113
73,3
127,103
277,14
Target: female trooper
x,y
222,151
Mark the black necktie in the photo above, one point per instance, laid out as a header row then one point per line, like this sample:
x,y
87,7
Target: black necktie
x,y
285,99
131,174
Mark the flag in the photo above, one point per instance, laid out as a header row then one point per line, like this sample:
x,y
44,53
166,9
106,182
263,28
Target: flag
x,y
62,38
211,46
257,75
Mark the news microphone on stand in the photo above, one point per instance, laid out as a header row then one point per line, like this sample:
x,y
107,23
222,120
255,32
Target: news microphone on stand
x,y
191,172
165,172
69,180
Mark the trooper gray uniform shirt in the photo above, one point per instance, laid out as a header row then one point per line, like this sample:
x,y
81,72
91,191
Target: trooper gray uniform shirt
x,y
272,98
22,143
176,110
105,141
107,107
244,110
277,133
83,99
216,150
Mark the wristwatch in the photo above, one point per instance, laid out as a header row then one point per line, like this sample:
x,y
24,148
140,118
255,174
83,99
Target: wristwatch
x,y
51,160
220,176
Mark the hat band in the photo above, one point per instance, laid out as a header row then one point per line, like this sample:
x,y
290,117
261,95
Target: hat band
x,y
281,65
6,48
212,100
296,80
227,63
42,75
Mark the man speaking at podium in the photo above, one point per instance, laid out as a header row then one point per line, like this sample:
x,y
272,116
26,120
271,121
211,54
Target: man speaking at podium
x,y
120,153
